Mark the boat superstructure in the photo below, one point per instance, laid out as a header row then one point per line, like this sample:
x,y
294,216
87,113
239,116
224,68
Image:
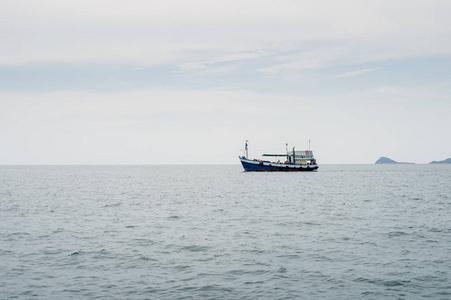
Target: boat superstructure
x,y
291,161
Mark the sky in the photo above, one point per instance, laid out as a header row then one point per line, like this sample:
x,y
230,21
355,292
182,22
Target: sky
x,y
187,82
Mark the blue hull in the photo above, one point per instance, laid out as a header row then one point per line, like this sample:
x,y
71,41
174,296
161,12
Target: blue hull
x,y
251,165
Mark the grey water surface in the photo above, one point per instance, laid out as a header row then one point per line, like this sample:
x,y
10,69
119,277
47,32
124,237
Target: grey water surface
x,y
216,232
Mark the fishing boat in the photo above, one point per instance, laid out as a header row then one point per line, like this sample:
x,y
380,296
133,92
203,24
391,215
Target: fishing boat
x,y
291,161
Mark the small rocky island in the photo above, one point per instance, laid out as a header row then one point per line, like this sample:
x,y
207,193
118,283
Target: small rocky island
x,y
446,161
386,160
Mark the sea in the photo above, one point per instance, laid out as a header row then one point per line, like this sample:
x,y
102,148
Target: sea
x,y
217,232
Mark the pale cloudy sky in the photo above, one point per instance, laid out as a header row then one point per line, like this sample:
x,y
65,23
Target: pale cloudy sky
x,y
147,82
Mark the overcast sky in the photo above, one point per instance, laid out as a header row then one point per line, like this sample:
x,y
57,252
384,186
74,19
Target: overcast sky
x,y
157,82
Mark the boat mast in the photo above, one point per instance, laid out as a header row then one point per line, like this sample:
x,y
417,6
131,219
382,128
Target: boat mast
x,y
294,157
286,146
246,147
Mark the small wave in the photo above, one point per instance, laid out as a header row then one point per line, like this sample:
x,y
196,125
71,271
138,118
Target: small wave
x,y
311,223
289,256
58,230
395,282
396,233
19,234
195,248
390,283
146,258
255,251
254,282
214,287
112,205
182,267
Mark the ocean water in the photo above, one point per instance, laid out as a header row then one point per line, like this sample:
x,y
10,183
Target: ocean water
x,y
216,232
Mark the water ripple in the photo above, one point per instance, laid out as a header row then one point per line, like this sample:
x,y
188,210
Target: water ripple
x,y
215,232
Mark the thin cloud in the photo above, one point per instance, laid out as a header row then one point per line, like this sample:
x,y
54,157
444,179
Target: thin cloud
x,y
218,71
357,73
224,58
292,66
159,32
193,66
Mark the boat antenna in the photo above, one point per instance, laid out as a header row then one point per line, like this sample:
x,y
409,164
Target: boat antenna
x,y
246,148
309,145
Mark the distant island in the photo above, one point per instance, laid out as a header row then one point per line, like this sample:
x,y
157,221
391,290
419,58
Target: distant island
x,y
446,161
386,160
